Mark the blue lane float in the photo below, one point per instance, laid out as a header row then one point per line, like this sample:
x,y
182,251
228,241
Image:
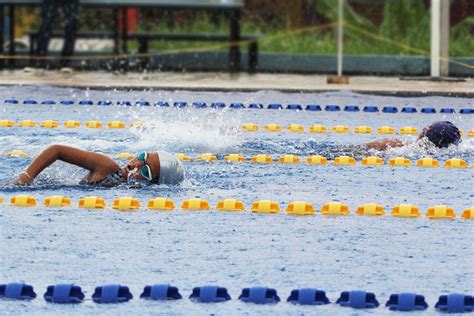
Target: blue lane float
x,y
455,303
104,102
162,104
274,106
64,294
180,104
308,296
142,103
466,111
237,105
358,299
390,109
218,105
67,102
124,103
17,291
10,101
256,106
259,295
48,102
199,105
409,109
370,109
428,110
160,292
313,107
332,108
351,108
86,102
111,293
447,110
406,302
209,294
30,101
294,107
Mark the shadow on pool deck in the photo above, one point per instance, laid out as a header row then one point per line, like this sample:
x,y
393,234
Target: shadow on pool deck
x,y
210,81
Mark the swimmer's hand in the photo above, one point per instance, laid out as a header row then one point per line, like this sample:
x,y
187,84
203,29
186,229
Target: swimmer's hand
x,y
23,179
383,144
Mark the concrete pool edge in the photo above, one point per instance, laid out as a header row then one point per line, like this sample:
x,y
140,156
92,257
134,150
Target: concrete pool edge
x,y
242,82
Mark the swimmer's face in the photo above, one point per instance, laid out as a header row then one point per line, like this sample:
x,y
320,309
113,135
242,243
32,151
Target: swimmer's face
x,y
132,170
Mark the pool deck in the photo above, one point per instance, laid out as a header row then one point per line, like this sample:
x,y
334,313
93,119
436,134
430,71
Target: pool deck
x,y
211,81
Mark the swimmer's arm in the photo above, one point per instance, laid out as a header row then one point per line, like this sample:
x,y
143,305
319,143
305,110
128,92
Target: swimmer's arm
x,y
383,144
94,162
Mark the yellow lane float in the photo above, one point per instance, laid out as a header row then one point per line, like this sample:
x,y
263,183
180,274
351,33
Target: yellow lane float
x,y
316,160
470,133
288,159
183,157
272,128
440,211
17,153
265,207
468,213
125,156
455,163
6,123
335,208
427,162
136,124
23,200
250,127
234,158
408,130
93,124
72,124
296,128
300,208
49,124
27,123
344,160
1,200
405,210
92,202
370,209
230,205
57,201
161,204
363,130
319,129
340,129
372,161
261,158
195,204
206,157
385,130
116,124
126,203
400,162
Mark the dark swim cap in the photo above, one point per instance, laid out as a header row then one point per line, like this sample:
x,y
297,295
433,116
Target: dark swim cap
x,y
442,134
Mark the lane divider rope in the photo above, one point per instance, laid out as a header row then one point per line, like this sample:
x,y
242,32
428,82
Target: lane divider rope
x,y
240,105
118,293
297,208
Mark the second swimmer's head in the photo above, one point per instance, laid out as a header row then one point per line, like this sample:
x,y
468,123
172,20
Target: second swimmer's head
x,y
442,134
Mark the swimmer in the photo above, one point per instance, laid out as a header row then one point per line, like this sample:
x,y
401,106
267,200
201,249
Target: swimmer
x,y
441,134
151,167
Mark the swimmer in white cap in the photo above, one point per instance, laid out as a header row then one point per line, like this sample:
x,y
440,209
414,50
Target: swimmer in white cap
x,y
152,167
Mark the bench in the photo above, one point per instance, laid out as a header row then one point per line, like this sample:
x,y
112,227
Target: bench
x,y
233,7
143,39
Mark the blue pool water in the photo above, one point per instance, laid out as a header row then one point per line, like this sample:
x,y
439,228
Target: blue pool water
x,y
384,255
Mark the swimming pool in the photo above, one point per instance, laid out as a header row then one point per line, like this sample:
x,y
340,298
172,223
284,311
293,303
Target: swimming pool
x,y
384,255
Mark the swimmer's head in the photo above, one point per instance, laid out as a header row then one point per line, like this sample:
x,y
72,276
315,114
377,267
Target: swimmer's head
x,y
442,134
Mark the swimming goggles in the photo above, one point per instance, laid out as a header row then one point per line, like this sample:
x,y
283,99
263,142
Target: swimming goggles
x,y
145,172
